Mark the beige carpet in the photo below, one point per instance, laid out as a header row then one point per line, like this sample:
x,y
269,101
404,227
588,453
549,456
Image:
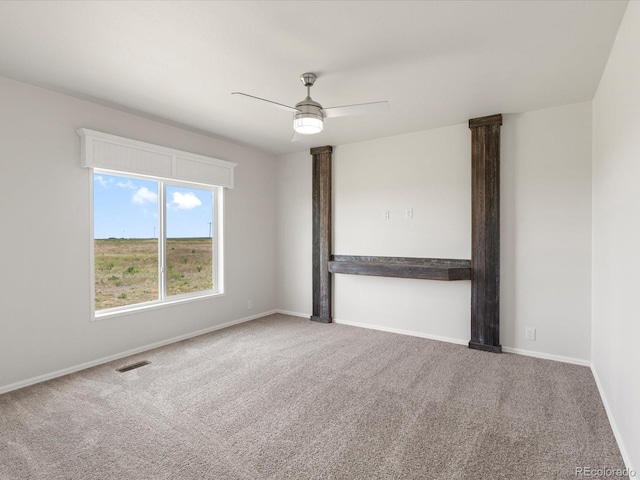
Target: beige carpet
x,y
282,397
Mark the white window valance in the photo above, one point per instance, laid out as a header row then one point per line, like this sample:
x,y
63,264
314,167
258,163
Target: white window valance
x,y
110,152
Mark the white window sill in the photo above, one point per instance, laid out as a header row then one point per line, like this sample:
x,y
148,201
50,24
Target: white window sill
x,y
143,307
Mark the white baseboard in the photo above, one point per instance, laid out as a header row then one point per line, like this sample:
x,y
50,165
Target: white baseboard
x,y
616,432
402,332
459,341
110,358
547,356
294,314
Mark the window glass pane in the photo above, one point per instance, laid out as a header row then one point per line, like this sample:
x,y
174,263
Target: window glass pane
x,y
125,218
190,232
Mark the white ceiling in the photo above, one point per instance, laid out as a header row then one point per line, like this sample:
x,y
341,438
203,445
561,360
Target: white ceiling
x,y
438,63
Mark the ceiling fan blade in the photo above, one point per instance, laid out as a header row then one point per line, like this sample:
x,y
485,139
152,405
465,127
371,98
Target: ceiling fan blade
x,y
358,109
275,104
296,137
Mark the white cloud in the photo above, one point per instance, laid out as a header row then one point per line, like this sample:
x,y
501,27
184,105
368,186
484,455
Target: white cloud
x,y
144,195
101,180
185,201
126,184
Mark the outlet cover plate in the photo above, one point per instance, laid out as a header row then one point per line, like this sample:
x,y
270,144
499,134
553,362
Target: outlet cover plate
x,y
530,333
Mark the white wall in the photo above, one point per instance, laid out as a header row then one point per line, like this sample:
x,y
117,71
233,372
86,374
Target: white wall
x,y
428,172
616,235
294,233
546,230
45,235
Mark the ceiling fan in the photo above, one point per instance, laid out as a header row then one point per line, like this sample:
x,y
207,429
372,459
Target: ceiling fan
x,y
309,115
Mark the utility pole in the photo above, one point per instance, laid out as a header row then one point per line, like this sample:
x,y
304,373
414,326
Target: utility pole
x,y
210,230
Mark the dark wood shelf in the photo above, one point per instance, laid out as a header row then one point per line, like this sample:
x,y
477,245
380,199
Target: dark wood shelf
x,y
402,267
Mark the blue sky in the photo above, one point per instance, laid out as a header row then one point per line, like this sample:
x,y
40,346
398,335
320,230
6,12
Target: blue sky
x,y
126,207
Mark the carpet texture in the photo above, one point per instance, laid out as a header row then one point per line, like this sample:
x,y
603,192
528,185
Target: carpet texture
x,y
285,398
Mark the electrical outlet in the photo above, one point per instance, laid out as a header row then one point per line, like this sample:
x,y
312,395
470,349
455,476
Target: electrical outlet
x,y
530,333
386,215
408,213
249,304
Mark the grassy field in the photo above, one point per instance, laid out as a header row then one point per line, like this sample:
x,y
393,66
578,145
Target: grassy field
x,y
126,270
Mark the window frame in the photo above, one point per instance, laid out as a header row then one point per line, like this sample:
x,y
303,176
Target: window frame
x,y
127,157
164,299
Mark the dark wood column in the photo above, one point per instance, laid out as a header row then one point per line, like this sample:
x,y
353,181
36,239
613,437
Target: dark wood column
x,y
485,233
321,191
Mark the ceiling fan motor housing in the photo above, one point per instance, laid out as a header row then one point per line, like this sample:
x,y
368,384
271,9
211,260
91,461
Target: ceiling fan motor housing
x,y
308,79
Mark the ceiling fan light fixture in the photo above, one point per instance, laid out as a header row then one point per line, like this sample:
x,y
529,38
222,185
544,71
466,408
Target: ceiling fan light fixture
x,y
309,118
307,123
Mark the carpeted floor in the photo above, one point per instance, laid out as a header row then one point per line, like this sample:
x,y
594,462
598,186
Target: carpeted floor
x,y
282,397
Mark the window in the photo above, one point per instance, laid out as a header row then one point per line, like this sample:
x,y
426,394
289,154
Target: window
x,y
147,249
157,223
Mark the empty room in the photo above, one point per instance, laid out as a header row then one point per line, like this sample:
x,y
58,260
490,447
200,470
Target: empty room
x,y
319,240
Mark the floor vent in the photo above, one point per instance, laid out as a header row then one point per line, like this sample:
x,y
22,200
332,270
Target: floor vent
x,y
132,366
